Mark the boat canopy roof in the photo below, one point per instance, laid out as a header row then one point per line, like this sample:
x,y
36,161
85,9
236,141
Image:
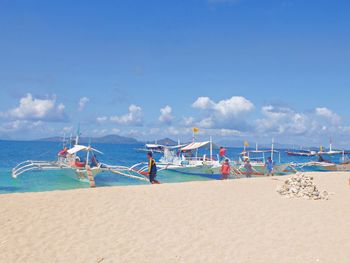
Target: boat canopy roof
x,y
175,146
154,146
78,148
195,146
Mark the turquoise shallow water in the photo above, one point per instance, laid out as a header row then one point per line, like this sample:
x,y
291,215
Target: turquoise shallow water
x,y
13,152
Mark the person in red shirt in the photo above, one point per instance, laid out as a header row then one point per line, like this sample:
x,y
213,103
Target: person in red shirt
x,y
225,170
63,152
222,154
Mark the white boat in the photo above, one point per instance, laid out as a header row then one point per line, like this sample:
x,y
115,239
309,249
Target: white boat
x,y
330,151
186,159
154,148
304,153
258,159
70,163
344,165
72,166
320,166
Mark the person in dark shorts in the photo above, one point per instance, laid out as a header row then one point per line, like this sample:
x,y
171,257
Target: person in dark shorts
x,y
152,169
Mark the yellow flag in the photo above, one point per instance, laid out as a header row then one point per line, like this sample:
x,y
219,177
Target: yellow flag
x,y
246,143
195,130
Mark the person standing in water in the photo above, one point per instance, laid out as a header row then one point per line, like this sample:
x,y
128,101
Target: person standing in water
x,y
225,170
269,166
152,169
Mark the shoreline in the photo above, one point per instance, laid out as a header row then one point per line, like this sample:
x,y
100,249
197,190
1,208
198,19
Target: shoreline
x,y
205,221
276,177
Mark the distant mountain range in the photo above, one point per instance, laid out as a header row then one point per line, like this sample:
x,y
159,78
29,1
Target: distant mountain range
x,y
165,141
239,144
117,139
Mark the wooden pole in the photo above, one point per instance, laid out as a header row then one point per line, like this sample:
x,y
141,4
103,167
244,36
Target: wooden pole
x,y
90,176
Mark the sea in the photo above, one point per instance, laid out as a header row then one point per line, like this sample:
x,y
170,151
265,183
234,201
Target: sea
x,y
14,152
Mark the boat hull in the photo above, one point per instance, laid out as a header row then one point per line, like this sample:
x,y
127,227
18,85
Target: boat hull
x,y
81,174
198,170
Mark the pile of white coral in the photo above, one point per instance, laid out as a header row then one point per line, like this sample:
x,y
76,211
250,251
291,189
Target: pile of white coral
x,y
301,186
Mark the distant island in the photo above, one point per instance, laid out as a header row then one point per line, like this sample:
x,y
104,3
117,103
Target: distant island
x,y
117,139
165,141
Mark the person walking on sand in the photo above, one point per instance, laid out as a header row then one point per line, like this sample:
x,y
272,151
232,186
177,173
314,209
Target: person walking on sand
x,y
152,169
269,166
222,154
225,170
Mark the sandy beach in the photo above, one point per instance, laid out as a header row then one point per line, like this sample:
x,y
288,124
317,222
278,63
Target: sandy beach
x,y
218,221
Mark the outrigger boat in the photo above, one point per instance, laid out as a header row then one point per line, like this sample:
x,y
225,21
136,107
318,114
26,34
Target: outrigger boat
x,y
258,158
330,151
303,153
187,159
324,165
71,165
154,148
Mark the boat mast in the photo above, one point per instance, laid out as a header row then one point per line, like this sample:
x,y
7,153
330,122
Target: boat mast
x,y
77,136
211,149
64,140
272,148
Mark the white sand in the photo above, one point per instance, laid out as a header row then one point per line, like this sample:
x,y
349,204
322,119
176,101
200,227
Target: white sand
x,y
233,221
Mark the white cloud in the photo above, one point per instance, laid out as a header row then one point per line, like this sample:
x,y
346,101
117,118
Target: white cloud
x,y
203,103
20,125
102,119
229,132
166,115
327,114
283,120
134,117
176,131
188,121
67,129
231,107
82,103
31,108
229,113
206,122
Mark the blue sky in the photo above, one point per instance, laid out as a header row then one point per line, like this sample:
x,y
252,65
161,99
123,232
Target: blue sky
x,y
238,69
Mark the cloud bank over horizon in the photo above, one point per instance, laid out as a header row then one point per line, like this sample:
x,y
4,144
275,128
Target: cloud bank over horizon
x,y
234,118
